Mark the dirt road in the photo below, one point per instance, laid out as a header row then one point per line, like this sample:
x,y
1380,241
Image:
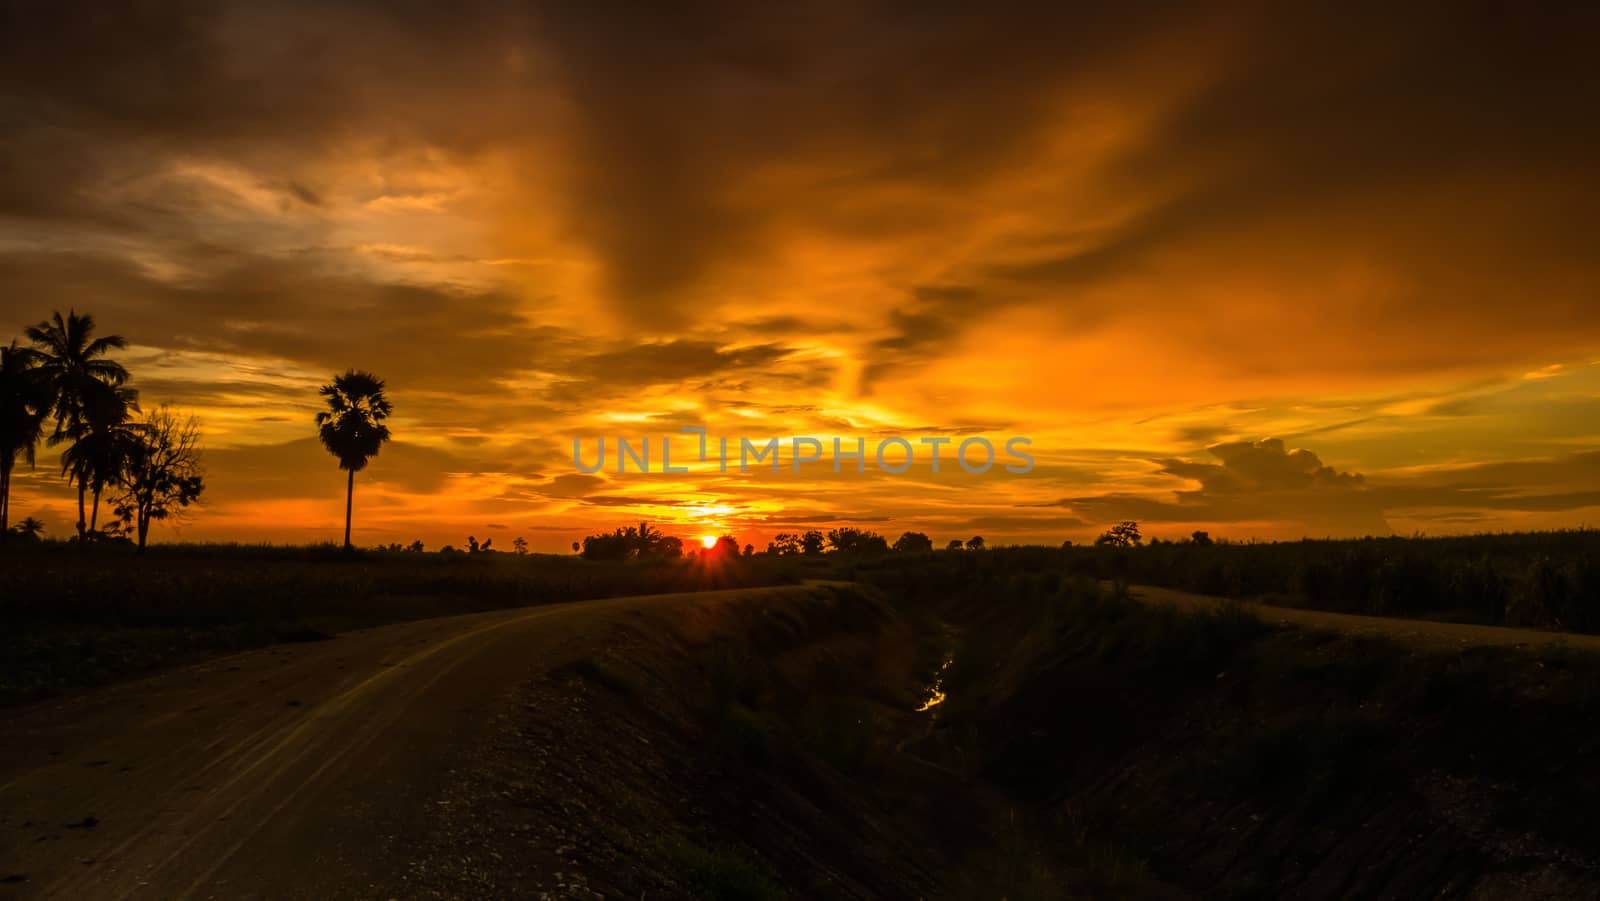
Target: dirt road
x,y
299,771
1413,631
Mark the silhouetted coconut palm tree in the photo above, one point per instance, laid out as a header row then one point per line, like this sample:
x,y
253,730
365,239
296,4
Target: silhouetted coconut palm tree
x,y
87,390
100,458
30,529
352,427
73,362
24,403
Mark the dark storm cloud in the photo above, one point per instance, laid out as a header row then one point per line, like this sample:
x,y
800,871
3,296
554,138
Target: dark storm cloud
x,y
1260,466
1258,481
1254,481
672,112
1444,111
94,90
682,104
447,348
422,337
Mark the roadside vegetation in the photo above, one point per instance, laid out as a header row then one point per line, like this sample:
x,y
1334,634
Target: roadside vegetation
x,y
1211,752
1547,580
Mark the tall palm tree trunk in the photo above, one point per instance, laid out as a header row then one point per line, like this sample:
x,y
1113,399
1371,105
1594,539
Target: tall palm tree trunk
x,y
82,521
5,499
94,510
349,498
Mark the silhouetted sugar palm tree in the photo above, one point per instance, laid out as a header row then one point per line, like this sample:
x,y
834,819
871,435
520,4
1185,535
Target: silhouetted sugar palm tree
x,y
24,403
88,392
352,427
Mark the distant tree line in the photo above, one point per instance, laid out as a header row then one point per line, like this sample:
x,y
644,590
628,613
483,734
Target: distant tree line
x,y
647,542
643,541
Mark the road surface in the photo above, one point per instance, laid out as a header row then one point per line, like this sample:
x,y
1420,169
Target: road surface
x,y
1426,633
298,771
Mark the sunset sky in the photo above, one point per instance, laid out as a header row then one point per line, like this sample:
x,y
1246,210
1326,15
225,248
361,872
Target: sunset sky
x,y
1269,274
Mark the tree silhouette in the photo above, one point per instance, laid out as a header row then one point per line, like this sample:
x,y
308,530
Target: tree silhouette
x,y
352,427
101,458
954,545
646,538
1202,538
811,543
975,543
913,542
520,546
643,541
24,404
1124,534
87,394
161,471
849,540
29,529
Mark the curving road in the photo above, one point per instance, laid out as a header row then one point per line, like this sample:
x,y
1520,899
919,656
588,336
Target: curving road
x,y
302,771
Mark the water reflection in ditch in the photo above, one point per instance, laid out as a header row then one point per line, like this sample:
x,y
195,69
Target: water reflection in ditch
x,y
936,690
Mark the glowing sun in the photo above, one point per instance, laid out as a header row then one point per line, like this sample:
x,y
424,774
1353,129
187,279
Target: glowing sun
x,y
708,541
